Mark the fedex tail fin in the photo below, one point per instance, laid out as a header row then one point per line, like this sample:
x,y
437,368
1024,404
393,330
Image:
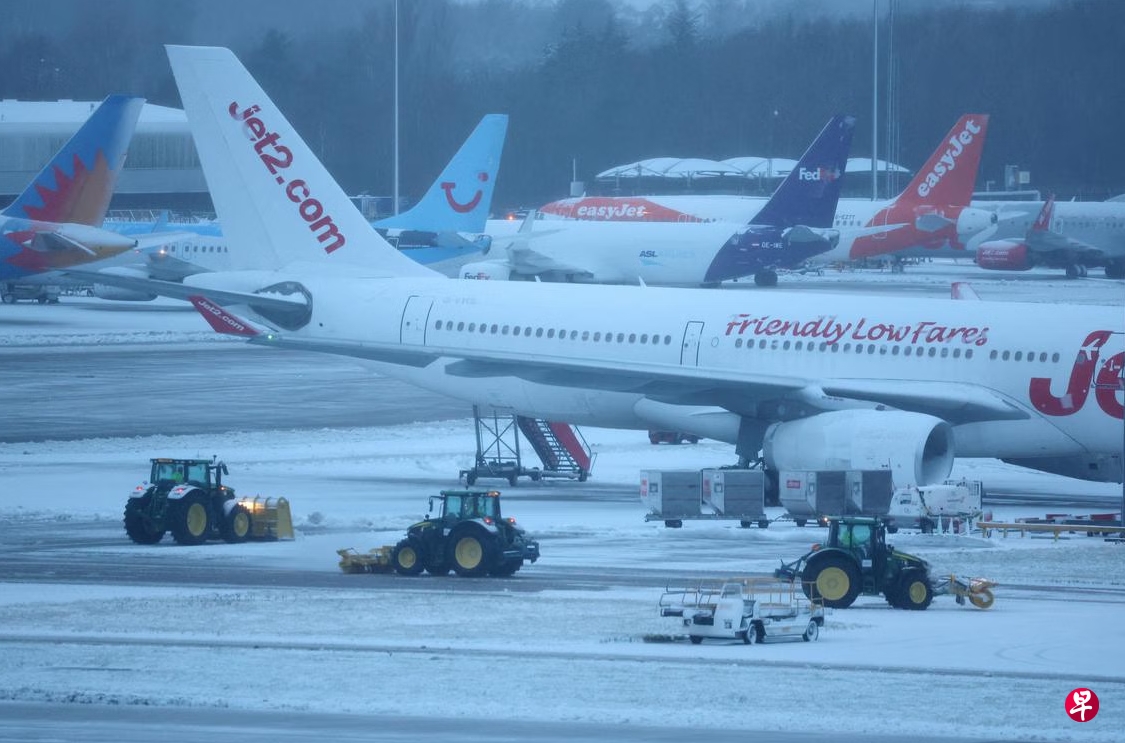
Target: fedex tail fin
x,y
950,174
461,198
275,199
808,195
77,185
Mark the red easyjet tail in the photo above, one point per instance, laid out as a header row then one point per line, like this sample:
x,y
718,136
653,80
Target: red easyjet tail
x,y
1043,221
950,174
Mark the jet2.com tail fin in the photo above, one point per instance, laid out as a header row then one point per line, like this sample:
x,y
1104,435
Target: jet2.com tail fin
x,y
276,201
948,177
77,184
809,194
461,198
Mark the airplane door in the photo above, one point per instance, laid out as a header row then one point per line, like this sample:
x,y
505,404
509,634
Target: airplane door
x,y
414,319
689,352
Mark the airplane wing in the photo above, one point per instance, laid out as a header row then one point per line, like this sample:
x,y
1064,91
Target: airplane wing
x,y
270,302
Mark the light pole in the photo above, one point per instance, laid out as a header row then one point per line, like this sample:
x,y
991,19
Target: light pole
x,y
396,113
874,99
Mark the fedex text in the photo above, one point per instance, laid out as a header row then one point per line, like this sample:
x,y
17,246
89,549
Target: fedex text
x,y
277,157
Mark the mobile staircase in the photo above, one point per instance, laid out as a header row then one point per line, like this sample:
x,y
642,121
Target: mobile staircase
x,y
560,447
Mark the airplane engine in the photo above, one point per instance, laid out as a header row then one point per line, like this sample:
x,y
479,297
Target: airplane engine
x,y
105,291
917,448
972,222
1003,255
486,270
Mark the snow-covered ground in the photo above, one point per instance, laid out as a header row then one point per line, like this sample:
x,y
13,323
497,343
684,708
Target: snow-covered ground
x,y
530,650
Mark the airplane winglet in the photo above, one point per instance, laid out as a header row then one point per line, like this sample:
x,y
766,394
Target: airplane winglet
x,y
963,290
221,320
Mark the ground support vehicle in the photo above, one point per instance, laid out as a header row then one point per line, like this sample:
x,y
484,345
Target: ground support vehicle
x,y
466,534
671,437
856,559
11,292
747,610
187,497
929,507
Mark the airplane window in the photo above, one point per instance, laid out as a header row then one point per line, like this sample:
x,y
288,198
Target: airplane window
x,y
798,345
957,353
460,326
620,337
835,347
1004,356
472,327
609,337
933,351
785,346
516,330
504,330
550,332
539,332
585,335
597,336
944,352
574,335
494,329
894,350
992,356
773,345
823,345
655,339
667,340
907,351
847,347
968,353
1054,356
644,338
762,343
527,332
1031,356
562,333
632,337
871,349
1019,355
437,325
738,343
859,348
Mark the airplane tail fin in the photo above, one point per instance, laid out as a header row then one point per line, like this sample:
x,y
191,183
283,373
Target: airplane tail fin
x,y
808,195
275,199
950,174
77,185
461,198
1043,221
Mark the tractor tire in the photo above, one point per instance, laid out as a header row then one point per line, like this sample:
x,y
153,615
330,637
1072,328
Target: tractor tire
x,y
833,579
915,590
892,592
137,526
236,526
471,551
507,568
436,564
471,479
191,521
406,558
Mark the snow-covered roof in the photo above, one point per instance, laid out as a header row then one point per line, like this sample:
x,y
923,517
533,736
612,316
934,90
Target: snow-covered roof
x,y
863,165
762,167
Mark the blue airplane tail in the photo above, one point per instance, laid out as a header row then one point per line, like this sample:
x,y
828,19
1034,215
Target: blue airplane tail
x,y
77,185
808,195
461,197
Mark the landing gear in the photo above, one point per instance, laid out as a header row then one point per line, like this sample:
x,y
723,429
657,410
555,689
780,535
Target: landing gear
x,y
1076,271
766,277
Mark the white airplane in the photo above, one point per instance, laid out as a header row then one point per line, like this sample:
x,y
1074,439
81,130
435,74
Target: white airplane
x,y
794,225
931,213
813,381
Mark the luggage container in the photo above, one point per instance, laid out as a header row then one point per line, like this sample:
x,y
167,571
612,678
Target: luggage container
x,y
671,495
736,494
810,494
869,492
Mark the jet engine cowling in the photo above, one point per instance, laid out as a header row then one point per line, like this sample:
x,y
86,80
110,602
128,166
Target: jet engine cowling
x,y
917,448
105,291
486,270
1004,255
971,222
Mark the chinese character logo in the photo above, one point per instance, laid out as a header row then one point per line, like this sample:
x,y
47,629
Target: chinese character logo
x,y
1082,705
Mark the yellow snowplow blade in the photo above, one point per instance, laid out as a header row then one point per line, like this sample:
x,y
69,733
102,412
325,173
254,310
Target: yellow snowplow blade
x,y
377,560
270,518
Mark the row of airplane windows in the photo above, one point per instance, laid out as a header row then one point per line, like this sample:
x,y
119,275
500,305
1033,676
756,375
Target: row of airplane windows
x,y
561,334
198,249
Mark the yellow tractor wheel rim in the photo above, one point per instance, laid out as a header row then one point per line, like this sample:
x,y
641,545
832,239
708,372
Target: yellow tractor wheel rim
x,y
407,557
833,583
917,592
196,519
468,552
241,524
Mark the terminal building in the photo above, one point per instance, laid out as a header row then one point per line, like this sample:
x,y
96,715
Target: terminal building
x,y
161,170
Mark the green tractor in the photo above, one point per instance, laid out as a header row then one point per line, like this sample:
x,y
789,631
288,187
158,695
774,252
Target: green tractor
x,y
466,534
856,559
187,497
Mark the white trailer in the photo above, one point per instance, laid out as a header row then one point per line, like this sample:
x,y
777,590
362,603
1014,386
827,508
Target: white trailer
x,y
930,507
751,611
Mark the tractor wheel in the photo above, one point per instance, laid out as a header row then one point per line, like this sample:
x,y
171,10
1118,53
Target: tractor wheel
x,y
507,568
470,552
833,579
236,525
982,600
191,521
139,528
893,594
811,632
696,639
407,557
471,479
915,590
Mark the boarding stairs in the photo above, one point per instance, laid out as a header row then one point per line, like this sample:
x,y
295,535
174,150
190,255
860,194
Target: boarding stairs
x,y
559,446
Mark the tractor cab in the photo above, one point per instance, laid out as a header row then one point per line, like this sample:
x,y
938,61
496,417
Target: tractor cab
x,y
466,505
167,473
865,540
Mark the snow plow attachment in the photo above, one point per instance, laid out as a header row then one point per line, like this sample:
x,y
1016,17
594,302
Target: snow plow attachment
x,y
977,590
377,560
270,518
